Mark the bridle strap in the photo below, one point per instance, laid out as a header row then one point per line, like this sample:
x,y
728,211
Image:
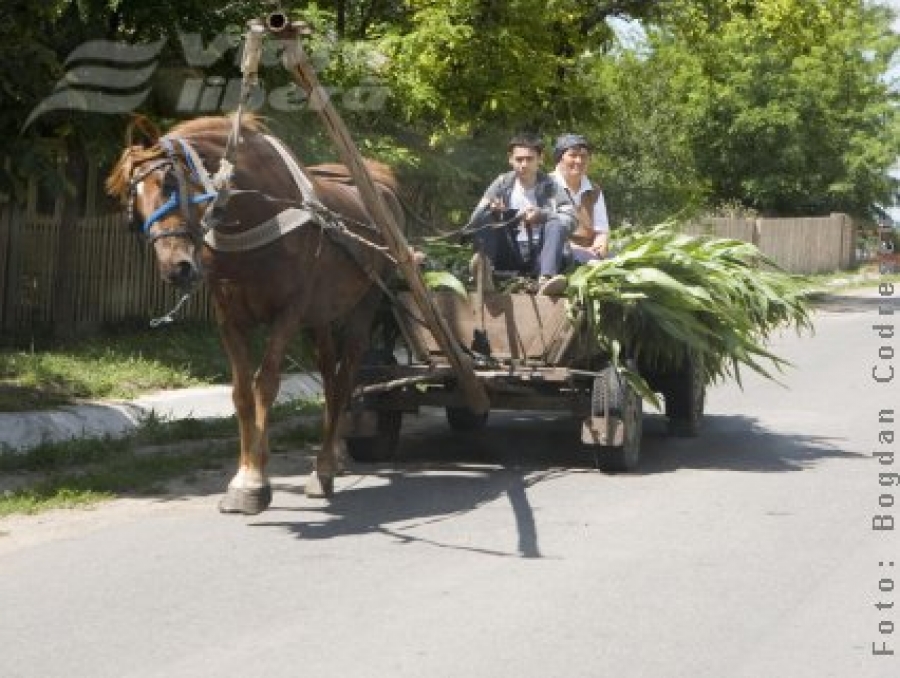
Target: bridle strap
x,y
152,237
147,168
181,199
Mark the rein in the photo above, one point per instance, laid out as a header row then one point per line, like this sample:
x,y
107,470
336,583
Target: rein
x,y
469,230
170,316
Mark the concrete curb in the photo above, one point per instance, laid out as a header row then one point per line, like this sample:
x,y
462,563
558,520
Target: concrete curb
x,y
20,431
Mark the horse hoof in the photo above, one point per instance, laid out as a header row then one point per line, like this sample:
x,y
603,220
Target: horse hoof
x,y
248,502
319,487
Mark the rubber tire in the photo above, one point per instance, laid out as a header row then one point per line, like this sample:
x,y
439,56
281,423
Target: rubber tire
x,y
464,419
625,403
686,400
383,445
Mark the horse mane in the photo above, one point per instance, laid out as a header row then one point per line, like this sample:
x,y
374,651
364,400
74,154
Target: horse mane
x,y
120,175
218,124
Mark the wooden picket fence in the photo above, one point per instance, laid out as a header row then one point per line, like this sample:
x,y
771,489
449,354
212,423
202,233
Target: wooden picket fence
x,y
802,245
114,277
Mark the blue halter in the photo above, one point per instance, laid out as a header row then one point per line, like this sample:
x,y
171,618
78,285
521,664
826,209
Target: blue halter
x,y
173,202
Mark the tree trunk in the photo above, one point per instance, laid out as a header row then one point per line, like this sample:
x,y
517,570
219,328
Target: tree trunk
x,y
7,264
340,11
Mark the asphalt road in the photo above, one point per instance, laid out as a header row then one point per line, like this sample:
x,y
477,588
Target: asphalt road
x,y
745,553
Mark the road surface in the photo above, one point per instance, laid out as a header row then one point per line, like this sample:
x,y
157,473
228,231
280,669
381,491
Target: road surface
x,y
748,552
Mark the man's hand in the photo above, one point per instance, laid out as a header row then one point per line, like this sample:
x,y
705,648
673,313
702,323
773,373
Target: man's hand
x,y
600,246
530,215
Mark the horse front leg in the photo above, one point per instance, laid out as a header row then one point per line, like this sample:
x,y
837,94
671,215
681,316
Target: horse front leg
x,y
249,491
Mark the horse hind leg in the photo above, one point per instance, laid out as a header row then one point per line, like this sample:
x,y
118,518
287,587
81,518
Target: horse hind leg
x,y
320,483
337,379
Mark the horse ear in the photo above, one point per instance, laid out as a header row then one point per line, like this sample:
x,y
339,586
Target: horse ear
x,y
141,132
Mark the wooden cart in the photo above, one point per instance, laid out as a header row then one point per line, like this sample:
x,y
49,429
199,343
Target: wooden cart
x,y
531,352
490,351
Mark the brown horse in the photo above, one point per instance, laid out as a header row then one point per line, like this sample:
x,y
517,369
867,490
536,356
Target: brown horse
x,y
291,250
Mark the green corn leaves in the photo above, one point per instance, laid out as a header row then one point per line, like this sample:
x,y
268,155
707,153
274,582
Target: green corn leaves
x,y
436,280
665,295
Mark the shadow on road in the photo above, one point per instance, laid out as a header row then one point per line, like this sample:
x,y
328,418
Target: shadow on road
x,y
396,502
444,474
736,443
541,441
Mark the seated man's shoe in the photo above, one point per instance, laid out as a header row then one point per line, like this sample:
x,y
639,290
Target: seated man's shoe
x,y
553,286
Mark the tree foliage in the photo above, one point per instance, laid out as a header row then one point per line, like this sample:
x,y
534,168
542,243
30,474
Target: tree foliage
x,y
643,113
462,64
779,105
799,118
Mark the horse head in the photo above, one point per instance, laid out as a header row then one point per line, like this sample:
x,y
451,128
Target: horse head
x,y
164,197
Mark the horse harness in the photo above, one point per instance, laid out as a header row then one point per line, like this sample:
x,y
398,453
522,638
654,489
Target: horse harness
x,y
186,168
309,209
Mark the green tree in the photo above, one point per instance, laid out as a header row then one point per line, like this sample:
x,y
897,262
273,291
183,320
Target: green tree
x,y
642,113
781,105
799,117
37,36
459,66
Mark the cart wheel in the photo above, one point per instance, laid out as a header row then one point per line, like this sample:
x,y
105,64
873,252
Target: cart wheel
x,y
464,419
383,445
625,405
686,399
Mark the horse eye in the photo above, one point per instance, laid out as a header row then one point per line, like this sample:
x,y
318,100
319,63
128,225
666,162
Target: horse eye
x,y
170,185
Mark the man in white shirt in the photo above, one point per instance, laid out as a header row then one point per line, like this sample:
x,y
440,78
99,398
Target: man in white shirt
x,y
590,240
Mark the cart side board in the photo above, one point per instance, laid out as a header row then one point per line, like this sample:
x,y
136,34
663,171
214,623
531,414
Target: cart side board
x,y
516,326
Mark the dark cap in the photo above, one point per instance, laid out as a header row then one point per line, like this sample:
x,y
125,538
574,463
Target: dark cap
x,y
567,141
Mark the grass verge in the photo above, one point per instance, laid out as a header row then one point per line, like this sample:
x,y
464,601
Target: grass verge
x,y
845,281
81,473
119,364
